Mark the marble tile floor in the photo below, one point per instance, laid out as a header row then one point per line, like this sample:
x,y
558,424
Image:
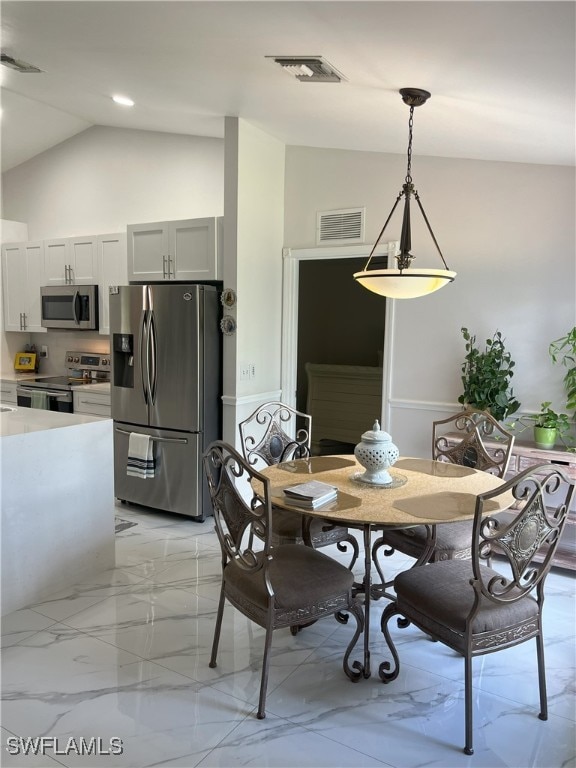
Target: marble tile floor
x,y
125,656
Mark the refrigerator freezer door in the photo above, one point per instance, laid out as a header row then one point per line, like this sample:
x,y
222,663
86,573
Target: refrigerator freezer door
x,y
128,336
178,475
176,360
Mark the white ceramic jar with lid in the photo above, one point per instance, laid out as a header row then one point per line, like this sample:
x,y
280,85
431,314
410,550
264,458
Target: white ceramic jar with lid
x,y
376,453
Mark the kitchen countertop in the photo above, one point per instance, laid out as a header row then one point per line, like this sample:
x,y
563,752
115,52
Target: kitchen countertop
x,y
19,421
103,387
13,376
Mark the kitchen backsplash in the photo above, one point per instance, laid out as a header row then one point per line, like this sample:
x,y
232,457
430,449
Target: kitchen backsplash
x,y
60,342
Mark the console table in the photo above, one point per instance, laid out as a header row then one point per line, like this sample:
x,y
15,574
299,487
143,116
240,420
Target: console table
x,y
526,454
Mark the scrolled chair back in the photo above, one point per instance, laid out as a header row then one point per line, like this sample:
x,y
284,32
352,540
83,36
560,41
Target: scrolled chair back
x,y
270,434
460,439
527,540
241,505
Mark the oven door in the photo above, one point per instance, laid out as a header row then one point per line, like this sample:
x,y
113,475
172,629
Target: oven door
x,y
45,399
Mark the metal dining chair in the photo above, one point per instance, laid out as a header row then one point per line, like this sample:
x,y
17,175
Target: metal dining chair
x,y
276,586
273,433
475,609
458,439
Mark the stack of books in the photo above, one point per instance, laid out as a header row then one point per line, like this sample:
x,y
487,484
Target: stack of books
x,y
310,495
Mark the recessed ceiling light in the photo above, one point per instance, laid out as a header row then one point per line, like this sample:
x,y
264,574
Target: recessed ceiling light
x,y
124,100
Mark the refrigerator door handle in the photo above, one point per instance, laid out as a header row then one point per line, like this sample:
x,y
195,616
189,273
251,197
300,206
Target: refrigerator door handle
x,y
152,346
181,440
143,356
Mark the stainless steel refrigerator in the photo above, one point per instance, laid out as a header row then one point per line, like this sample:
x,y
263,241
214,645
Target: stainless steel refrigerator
x,y
166,383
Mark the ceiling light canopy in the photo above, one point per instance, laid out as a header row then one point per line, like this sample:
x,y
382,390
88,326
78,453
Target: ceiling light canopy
x,y
125,101
405,282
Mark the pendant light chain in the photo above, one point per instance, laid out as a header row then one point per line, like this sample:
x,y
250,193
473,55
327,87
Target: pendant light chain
x,y
410,127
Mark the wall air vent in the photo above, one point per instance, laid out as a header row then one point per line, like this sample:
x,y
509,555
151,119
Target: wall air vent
x,y
343,227
309,69
18,64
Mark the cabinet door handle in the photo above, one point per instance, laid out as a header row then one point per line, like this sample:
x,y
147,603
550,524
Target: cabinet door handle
x,y
164,266
169,266
24,316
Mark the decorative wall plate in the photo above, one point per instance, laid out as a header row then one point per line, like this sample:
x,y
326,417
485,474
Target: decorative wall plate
x,y
228,297
228,325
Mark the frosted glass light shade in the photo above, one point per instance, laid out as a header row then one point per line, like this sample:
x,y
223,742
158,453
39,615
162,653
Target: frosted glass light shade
x,y
405,284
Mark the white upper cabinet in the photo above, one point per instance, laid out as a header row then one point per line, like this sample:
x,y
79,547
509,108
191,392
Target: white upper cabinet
x,y
71,261
175,250
22,278
147,252
113,270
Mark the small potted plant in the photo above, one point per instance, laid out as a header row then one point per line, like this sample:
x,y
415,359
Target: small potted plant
x,y
549,426
486,377
563,352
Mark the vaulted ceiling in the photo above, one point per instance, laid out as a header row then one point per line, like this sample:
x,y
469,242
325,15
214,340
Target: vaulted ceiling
x,y
501,74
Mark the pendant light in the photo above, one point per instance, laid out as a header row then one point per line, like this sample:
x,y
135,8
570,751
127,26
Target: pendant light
x,y
406,282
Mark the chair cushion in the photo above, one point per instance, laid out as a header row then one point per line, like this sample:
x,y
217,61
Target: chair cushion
x,y
442,592
300,576
288,525
450,538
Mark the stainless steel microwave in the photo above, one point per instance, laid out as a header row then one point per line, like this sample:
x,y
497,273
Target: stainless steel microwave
x,y
70,306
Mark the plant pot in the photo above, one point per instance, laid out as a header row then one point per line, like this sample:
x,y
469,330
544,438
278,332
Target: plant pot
x,y
545,437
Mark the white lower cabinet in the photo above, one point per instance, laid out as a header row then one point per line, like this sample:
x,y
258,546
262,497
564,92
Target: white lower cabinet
x,y
8,392
92,403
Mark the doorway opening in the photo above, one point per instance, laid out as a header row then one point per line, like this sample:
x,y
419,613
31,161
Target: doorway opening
x,y
341,332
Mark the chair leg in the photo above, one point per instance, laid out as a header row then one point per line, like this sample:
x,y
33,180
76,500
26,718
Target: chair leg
x,y
264,680
542,677
468,749
216,640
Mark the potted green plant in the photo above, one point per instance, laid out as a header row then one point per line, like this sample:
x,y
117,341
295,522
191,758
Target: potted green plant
x,y
563,352
549,426
486,375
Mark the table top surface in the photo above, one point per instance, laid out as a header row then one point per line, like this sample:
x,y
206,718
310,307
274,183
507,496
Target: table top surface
x,y
423,491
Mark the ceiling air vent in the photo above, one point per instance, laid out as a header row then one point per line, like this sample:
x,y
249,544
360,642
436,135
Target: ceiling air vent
x,y
309,69
18,64
342,227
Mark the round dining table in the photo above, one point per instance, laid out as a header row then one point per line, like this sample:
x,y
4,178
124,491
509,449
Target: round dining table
x,y
422,492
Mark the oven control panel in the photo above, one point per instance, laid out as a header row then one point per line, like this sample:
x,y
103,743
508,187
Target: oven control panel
x,y
88,361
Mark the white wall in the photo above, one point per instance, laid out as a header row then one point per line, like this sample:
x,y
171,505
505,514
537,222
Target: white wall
x,y
506,228
253,239
105,178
